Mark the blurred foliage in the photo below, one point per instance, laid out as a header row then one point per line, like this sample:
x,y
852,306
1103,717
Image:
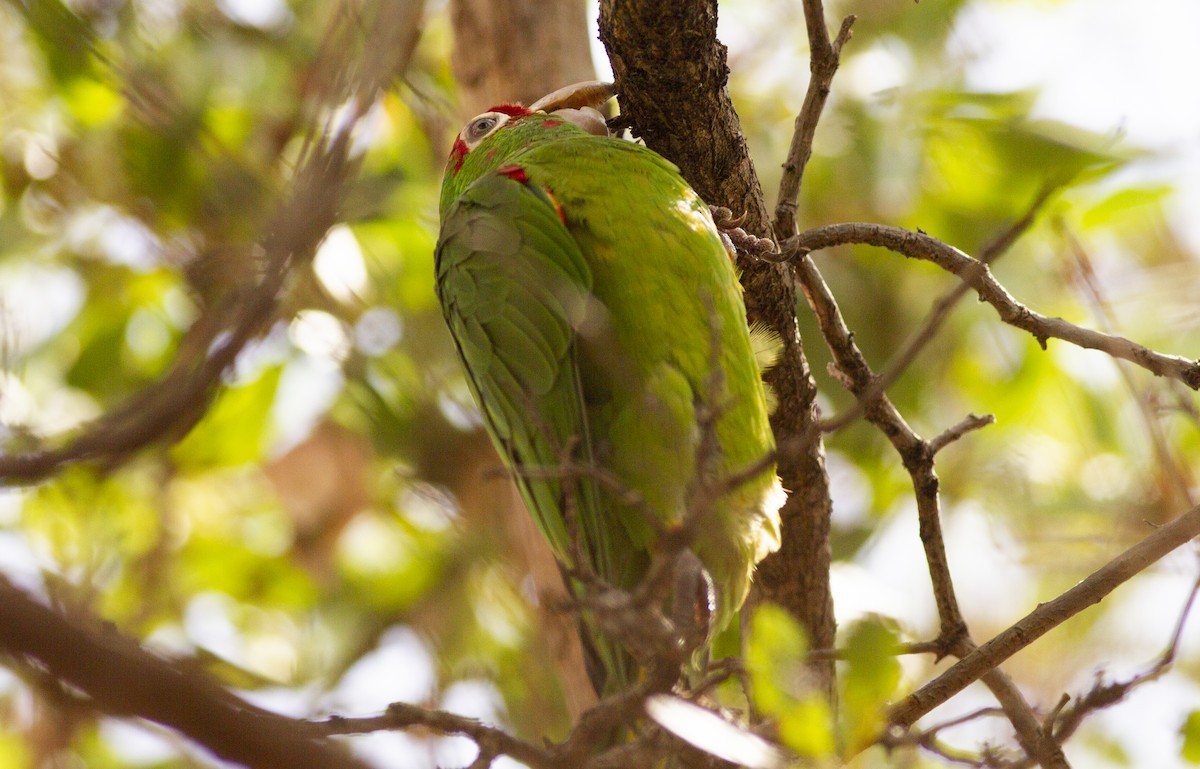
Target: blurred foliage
x,y
335,491
1191,737
775,652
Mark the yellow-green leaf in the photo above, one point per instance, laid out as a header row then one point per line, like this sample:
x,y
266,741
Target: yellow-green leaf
x,y
1191,738
234,429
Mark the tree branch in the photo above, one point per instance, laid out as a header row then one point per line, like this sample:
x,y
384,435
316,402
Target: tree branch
x,y
170,407
937,316
401,715
824,58
1046,617
977,275
671,75
917,455
123,679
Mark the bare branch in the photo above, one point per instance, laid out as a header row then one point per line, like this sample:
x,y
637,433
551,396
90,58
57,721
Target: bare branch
x,y
977,275
927,739
1046,617
918,458
824,58
400,715
123,679
937,316
1037,743
1063,722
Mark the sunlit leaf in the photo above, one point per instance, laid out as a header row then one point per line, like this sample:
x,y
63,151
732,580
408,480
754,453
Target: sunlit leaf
x,y
871,675
775,657
233,431
1123,202
1191,738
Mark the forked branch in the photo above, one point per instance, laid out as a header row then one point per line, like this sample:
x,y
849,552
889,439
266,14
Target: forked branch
x,y
976,274
1047,616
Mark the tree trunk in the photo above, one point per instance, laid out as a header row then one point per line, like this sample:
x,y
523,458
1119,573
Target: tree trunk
x,y
671,76
518,51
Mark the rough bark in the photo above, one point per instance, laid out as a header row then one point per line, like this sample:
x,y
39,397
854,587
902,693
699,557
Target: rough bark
x,y
671,76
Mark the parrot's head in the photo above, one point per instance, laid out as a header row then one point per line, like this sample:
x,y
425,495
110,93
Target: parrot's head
x,y
489,139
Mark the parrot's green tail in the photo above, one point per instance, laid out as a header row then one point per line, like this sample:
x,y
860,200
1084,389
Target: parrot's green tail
x,y
691,610
610,667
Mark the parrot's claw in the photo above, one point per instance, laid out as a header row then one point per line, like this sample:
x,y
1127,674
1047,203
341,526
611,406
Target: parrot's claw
x,y
693,601
736,240
724,218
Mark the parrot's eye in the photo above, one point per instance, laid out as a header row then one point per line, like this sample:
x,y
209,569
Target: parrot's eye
x,y
482,127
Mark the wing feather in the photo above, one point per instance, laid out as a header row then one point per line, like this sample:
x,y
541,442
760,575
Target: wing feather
x,y
511,280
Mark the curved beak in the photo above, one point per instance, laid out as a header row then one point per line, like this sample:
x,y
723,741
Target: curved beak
x,y
588,94
578,104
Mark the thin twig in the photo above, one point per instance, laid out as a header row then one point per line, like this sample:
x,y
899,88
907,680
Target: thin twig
x,y
938,314
927,739
970,423
976,274
1046,617
400,715
1063,722
824,58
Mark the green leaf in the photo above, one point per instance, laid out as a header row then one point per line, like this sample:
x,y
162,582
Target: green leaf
x,y
1191,738
1121,203
775,656
233,432
870,679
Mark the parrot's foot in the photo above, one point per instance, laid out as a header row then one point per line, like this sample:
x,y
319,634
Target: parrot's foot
x,y
693,602
736,240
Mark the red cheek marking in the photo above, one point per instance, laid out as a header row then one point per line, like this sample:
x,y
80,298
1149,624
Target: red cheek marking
x,y
458,153
516,173
491,153
552,122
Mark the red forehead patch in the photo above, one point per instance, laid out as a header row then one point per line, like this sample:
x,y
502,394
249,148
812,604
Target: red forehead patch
x,y
512,110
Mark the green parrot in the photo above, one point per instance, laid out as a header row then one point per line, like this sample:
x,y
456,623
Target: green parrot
x,y
586,286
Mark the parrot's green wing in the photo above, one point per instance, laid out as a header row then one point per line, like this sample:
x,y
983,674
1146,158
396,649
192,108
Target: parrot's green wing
x,y
514,288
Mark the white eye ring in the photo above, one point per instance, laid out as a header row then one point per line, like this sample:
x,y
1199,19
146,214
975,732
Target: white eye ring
x,y
481,127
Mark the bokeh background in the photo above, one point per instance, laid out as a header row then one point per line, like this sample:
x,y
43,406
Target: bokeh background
x,y
329,539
